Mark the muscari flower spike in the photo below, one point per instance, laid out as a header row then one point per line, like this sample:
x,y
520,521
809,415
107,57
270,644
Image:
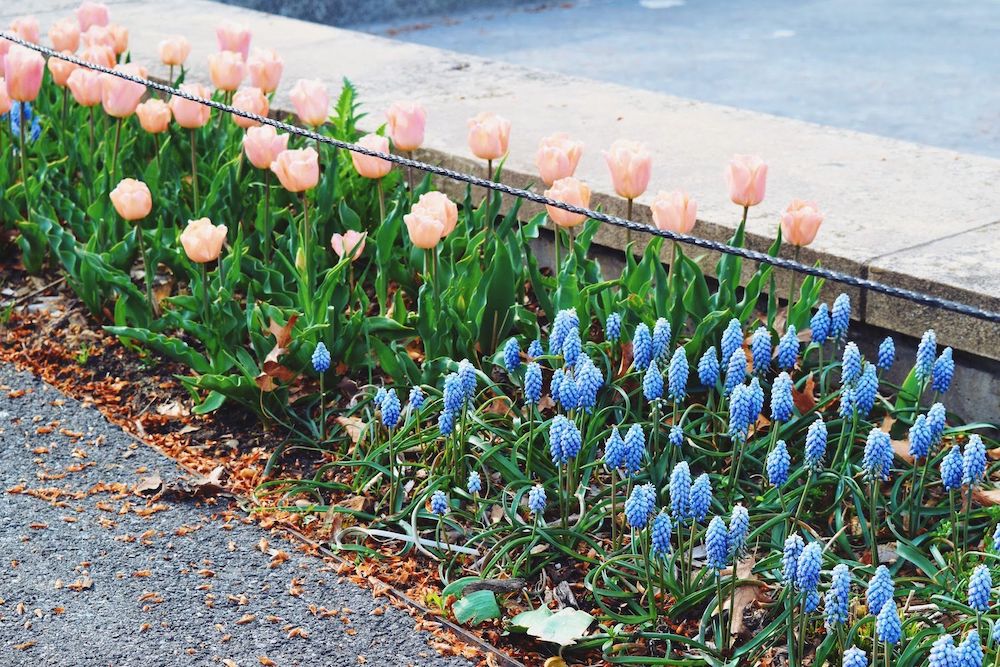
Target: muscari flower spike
x,y
942,372
614,450
840,317
850,369
739,529
572,347
416,398
680,491
533,383
453,393
952,469
569,397
652,382
996,539
467,376
815,445
661,338
732,338
980,587
740,406
613,328
635,449
788,349
778,463
589,381
535,349
439,503
760,350
716,544
943,652
701,497
391,409
819,325
475,483
676,437
866,390
756,399
782,404
677,376
536,500
881,589
446,422
920,437
640,506
736,370
855,657
807,568
642,347
887,626
790,559
708,368
811,603
565,320
320,358
937,419
970,651
848,404
511,356
837,597
926,351
564,440
886,354
660,535
974,461
877,459
379,397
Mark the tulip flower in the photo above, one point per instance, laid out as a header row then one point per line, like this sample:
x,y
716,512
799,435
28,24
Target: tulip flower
x,y
425,230
311,101
438,206
98,36
262,146
234,37
674,211
154,115
630,165
26,27
92,13
746,177
350,243
119,38
120,96
133,201
202,242
368,166
5,102
226,69
569,191
800,222
61,70
251,100
85,85
489,136
174,51
406,122
192,115
298,171
99,54
265,67
557,157
23,71
65,35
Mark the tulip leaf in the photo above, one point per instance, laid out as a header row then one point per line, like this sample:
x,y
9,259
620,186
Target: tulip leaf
x,y
476,607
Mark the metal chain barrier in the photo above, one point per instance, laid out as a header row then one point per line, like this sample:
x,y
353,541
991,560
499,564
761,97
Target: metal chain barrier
x,y
753,255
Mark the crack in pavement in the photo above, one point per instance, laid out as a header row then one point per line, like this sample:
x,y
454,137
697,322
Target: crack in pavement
x,y
94,575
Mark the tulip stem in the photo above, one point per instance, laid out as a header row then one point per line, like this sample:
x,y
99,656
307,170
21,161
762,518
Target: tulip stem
x,y
381,202
628,216
24,165
267,217
791,290
65,103
156,146
146,275
194,171
555,241
204,291
91,130
304,242
409,176
114,153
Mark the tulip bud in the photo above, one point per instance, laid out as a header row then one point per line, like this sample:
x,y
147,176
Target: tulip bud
x,y
119,96
26,27
234,37
372,167
154,115
425,231
311,101
265,67
436,205
800,222
350,242
263,144
188,114
174,50
489,136
92,13
557,157
65,35
203,241
251,100
297,170
61,70
630,165
674,211
23,72
85,85
132,199
568,191
406,121
746,176
226,69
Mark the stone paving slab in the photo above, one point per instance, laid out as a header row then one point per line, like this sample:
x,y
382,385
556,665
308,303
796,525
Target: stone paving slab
x,y
881,196
100,579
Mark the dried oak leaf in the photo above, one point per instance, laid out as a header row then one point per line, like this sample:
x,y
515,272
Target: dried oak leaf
x,y
805,400
273,370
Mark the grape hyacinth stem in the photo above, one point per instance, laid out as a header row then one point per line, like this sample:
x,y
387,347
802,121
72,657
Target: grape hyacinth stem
x,y
954,531
918,506
874,520
322,409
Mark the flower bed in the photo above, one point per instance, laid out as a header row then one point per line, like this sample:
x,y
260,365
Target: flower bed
x,y
656,468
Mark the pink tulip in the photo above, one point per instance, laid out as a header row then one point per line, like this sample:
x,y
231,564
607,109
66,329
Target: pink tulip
x,y
263,144
675,211
227,69
630,165
489,136
406,125
92,13
85,85
297,170
26,27
174,50
568,191
557,157
120,97
436,205
65,35
119,38
5,102
350,242
425,230
311,101
23,70
154,115
4,48
251,100
800,222
188,114
99,55
61,70
265,67
98,35
234,37
132,199
746,177
372,167
203,241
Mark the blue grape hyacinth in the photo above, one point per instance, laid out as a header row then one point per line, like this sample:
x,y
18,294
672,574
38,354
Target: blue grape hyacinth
x,y
808,567
740,407
778,464
756,399
680,491
320,358
453,393
811,603
661,338
511,356
943,652
877,459
676,437
589,381
555,383
717,544
642,347
970,651
475,483
736,370
613,328
782,404
819,325
850,370
677,376
840,316
952,469
701,497
815,445
855,657
708,368
886,354
572,347
739,529
564,440
974,461
635,449
416,398
788,349
942,372
887,625
391,409
536,500
760,350
980,587
652,382
446,422
660,535
467,376
569,396
439,503
790,559
848,404
533,383
937,420
881,589
535,349
565,320
838,597
614,450
732,338
920,437
926,351
640,506
866,390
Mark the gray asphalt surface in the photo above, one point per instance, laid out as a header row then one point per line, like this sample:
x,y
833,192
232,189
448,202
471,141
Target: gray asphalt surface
x,y
87,580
